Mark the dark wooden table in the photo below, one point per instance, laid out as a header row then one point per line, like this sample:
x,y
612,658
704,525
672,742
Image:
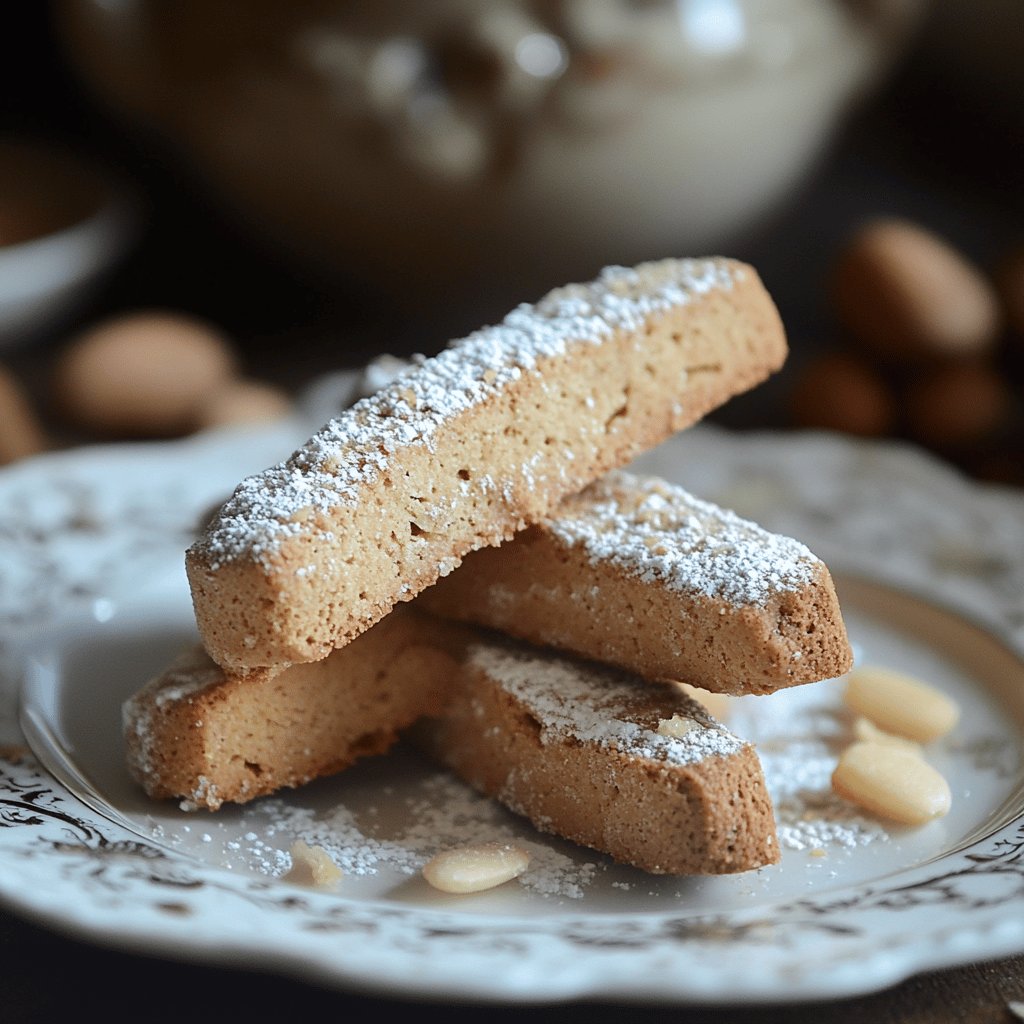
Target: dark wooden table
x,y
922,149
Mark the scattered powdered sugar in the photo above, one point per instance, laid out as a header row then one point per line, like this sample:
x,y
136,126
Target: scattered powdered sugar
x,y
356,447
340,835
382,835
808,814
436,813
799,735
662,534
591,703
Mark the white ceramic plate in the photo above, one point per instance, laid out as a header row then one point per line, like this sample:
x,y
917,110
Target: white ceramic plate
x,y
93,600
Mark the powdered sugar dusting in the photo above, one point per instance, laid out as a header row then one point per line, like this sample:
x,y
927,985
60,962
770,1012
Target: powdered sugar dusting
x,y
436,812
443,815
661,534
594,704
380,836
808,814
353,449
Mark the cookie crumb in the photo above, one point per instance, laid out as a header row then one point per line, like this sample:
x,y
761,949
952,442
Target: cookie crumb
x,y
313,865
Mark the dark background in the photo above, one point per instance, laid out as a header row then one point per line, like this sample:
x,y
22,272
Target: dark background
x,y
928,146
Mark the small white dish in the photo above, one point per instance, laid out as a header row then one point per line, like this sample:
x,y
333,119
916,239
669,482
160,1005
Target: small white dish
x,y
45,279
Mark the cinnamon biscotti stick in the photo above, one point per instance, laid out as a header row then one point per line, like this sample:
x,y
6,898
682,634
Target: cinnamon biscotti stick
x,y
206,737
470,446
614,762
638,573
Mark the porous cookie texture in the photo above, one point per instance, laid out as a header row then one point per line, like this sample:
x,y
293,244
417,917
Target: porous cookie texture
x,y
633,769
639,573
468,447
207,737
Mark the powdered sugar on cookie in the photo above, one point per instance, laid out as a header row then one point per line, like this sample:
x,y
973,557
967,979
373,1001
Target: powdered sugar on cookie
x,y
661,534
595,704
465,449
355,448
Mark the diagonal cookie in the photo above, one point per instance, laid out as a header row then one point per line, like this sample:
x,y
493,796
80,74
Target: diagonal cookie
x,y
470,446
604,758
636,572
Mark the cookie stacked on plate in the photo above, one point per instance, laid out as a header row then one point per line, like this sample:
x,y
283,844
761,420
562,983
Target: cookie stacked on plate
x,y
460,558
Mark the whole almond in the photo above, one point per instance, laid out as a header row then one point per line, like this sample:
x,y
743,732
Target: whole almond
x,y
843,392
242,401
891,782
904,293
477,867
143,373
900,704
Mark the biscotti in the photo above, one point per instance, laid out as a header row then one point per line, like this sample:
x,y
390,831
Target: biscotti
x,y
470,446
573,746
632,571
616,763
207,738
636,572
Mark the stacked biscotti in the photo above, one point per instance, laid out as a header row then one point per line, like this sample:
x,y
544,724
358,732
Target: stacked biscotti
x,y
470,446
458,558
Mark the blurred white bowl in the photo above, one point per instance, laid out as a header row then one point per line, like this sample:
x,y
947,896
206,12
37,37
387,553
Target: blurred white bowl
x,y
45,279
461,154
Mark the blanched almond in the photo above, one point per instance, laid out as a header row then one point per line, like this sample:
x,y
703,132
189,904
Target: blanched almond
x,y
892,782
475,868
901,704
866,730
718,705
313,865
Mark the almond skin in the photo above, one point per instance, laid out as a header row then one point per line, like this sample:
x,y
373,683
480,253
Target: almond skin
x,y
907,294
